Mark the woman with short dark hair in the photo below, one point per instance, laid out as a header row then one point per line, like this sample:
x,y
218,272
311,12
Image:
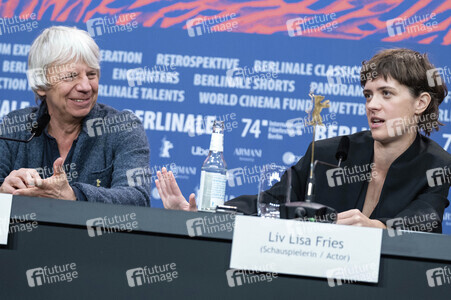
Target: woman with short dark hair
x,y
417,73
393,174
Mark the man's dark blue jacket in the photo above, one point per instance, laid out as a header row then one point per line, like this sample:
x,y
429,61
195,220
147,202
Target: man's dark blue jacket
x,y
109,161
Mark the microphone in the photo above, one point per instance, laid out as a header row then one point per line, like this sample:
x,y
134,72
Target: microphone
x,y
35,131
342,151
43,121
308,210
341,155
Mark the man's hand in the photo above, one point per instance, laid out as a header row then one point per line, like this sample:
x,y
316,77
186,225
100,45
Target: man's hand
x,y
20,179
170,192
356,218
56,186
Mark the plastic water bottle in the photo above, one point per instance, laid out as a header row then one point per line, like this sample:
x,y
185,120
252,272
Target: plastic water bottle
x,y
213,174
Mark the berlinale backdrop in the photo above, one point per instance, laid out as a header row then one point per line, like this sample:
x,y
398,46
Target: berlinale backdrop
x,y
252,64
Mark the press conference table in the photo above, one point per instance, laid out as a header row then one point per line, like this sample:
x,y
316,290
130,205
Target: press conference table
x,y
160,238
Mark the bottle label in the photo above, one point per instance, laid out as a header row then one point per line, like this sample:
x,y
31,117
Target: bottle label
x,y
217,142
212,190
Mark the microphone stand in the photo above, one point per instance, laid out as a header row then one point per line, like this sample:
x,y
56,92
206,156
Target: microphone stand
x,y
308,210
35,132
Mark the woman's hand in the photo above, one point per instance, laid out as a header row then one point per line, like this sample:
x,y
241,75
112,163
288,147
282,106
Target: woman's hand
x,y
170,192
20,179
356,218
56,186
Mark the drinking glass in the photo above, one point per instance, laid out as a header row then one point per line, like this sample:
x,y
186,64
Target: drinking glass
x,y
274,189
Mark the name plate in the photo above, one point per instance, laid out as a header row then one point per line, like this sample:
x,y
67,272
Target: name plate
x,y
331,251
5,215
